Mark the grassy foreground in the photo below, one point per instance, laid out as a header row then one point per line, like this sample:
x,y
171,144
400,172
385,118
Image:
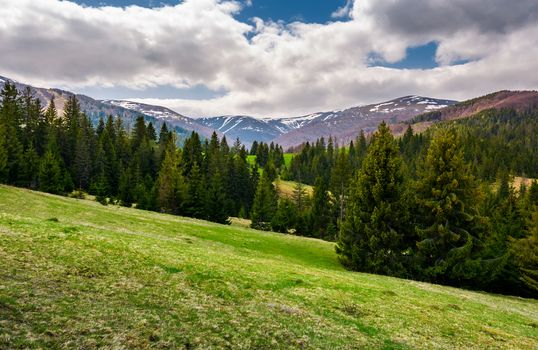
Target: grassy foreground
x,y
77,275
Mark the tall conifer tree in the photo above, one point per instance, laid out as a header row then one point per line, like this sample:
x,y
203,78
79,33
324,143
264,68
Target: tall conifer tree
x,y
375,234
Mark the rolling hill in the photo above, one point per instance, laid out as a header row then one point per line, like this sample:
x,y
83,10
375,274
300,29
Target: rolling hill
x,y
76,274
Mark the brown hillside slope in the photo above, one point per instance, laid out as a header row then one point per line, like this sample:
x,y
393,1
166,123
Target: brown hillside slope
x,y
518,100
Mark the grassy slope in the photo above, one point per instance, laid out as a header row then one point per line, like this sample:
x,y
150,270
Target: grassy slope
x,y
122,278
251,159
286,188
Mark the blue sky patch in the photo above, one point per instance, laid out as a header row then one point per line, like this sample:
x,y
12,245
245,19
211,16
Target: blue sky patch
x,y
308,11
418,57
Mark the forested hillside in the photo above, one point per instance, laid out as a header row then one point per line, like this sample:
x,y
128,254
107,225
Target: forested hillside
x,y
60,154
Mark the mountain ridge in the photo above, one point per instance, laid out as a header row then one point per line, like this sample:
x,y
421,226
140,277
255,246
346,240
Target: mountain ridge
x,y
346,124
96,109
343,125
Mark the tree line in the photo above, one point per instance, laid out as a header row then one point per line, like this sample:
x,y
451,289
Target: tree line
x,y
205,178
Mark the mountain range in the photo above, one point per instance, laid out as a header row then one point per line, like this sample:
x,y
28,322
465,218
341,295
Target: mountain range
x,y
127,111
343,125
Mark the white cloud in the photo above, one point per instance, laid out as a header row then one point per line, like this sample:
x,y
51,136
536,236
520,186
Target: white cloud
x,y
278,69
344,11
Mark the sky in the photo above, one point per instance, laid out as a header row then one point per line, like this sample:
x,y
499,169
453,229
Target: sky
x,y
270,58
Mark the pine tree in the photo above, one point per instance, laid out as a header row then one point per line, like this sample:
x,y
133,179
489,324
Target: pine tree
x,y
126,184
216,201
139,134
50,171
299,196
30,168
533,193
99,185
374,237
171,189
450,232
82,161
254,148
111,165
3,153
151,133
265,204
30,109
320,214
192,154
195,201
525,251
70,124
100,128
340,180
163,135
285,216
10,118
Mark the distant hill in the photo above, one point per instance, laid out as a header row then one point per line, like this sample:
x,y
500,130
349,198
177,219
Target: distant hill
x,y
247,129
346,124
96,109
163,114
518,100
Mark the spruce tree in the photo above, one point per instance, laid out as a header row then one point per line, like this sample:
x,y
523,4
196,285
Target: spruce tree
x,y
195,201
192,154
70,124
99,185
82,161
320,214
449,235
299,196
525,251
533,193
265,204
50,171
30,168
10,117
3,153
111,165
216,201
340,179
375,234
285,216
151,133
171,189
126,184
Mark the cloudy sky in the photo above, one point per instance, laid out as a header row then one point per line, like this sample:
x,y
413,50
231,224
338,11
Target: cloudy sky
x,y
270,58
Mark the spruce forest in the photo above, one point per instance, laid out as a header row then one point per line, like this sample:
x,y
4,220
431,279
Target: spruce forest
x,y
438,206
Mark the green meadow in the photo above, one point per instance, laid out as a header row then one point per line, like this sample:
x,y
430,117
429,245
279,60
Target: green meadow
x,y
78,275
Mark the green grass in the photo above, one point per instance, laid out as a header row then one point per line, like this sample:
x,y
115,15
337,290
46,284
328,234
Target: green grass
x,y
285,188
77,275
287,158
251,159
